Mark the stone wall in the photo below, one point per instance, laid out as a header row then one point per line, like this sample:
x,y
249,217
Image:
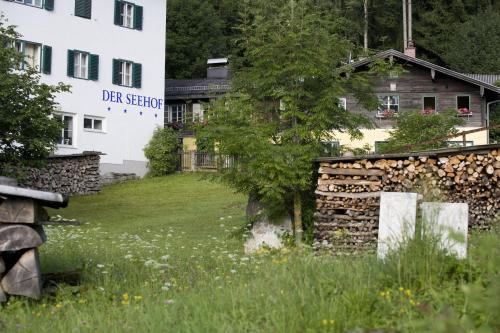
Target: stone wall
x,y
348,190
67,174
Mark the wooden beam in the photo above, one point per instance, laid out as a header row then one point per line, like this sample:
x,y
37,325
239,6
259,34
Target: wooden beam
x,y
352,172
359,182
362,195
48,198
481,91
433,74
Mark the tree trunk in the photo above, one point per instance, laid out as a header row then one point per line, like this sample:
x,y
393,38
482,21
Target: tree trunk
x,y
405,28
366,27
297,214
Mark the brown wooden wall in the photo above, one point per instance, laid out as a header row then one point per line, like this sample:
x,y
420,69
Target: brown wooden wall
x,y
416,83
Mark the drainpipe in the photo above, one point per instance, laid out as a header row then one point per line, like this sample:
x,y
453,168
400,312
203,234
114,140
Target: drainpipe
x,y
488,115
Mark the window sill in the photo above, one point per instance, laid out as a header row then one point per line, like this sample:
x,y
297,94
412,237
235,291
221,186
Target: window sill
x,y
66,146
25,4
94,131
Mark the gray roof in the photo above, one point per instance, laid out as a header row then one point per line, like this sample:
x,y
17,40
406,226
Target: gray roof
x,y
402,56
196,88
486,78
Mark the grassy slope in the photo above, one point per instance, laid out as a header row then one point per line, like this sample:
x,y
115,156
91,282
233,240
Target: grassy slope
x,y
158,256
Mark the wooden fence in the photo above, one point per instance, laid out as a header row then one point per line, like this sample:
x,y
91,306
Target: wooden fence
x,y
203,161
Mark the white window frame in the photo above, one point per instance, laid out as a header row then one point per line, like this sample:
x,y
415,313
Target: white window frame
x,y
387,106
435,101
93,120
463,95
81,68
127,13
182,112
20,46
72,131
126,68
32,3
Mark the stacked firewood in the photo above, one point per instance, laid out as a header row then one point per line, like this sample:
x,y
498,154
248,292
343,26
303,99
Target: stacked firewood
x,y
21,233
348,192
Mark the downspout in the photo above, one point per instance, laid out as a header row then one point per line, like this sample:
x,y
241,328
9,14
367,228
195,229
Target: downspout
x,y
488,115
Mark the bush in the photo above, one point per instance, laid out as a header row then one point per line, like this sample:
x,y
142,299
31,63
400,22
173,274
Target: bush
x,y
161,152
413,128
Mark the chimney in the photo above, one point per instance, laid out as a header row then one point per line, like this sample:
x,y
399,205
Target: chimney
x,y
218,68
410,50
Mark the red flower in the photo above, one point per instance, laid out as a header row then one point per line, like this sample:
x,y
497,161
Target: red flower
x,y
464,111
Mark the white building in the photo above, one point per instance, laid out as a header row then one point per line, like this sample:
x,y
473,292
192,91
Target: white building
x,y
112,53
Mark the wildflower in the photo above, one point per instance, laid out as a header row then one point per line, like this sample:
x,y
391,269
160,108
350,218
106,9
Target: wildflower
x,y
100,266
137,297
58,305
169,301
401,289
128,256
408,292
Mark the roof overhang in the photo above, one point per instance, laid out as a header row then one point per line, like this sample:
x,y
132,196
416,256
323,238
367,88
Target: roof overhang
x,y
396,54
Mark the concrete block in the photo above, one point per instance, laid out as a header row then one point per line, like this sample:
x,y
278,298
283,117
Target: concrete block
x,y
450,222
398,214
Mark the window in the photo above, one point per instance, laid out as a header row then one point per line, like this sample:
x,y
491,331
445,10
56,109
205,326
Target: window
x,y
127,11
127,73
389,102
81,61
31,52
35,3
66,138
463,102
83,8
177,113
128,15
429,103
330,148
91,123
455,144
343,103
83,65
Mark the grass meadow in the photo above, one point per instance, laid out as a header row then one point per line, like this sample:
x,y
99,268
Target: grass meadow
x,y
166,255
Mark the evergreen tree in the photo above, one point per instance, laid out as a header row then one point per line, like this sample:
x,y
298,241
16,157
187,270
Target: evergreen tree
x,y
284,102
473,48
194,34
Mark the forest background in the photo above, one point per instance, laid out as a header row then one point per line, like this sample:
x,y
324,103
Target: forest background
x,y
463,35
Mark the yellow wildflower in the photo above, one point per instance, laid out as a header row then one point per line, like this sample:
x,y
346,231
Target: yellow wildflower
x,y
408,292
138,297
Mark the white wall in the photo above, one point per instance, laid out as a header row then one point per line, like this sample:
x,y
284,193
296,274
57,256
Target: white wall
x,y
125,134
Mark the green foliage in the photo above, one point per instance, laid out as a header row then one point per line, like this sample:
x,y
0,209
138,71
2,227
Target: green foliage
x,y
495,120
473,45
284,101
210,285
413,128
161,152
28,133
194,34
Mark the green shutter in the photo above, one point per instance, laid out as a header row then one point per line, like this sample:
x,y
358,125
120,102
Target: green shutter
x,y
47,59
71,63
118,13
138,17
94,67
117,79
49,5
137,75
83,8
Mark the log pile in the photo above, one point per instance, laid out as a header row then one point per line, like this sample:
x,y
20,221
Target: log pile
x,y
77,174
21,233
348,191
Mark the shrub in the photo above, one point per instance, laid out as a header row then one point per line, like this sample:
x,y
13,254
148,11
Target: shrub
x,y
161,152
413,128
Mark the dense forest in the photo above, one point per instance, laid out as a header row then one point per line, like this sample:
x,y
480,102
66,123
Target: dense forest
x,y
463,35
